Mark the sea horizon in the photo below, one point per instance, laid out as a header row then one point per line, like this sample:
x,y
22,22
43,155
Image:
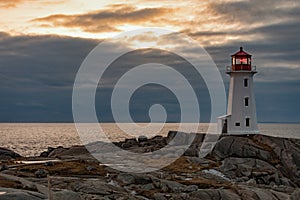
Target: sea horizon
x,y
30,139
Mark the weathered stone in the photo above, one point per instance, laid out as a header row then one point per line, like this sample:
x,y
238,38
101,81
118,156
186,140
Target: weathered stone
x,y
91,168
126,178
49,164
242,179
246,161
159,196
18,195
285,181
129,143
169,186
287,151
74,151
198,138
96,187
50,149
142,179
44,154
158,139
261,171
251,181
41,173
295,195
66,195
147,187
179,138
142,138
191,188
263,194
283,153
215,174
3,167
56,151
247,194
201,161
6,154
192,151
280,195
234,146
211,194
256,193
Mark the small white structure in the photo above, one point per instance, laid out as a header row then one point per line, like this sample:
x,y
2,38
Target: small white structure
x,y
241,110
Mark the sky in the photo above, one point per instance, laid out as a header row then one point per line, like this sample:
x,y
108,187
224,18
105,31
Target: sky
x,y
43,43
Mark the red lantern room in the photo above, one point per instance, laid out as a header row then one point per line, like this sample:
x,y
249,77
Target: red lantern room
x,y
241,61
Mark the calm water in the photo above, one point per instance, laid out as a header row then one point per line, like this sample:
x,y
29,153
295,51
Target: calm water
x,y
31,139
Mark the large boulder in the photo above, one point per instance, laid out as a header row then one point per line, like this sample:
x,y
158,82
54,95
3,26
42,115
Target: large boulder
x,y
250,168
287,151
281,154
16,194
6,154
235,146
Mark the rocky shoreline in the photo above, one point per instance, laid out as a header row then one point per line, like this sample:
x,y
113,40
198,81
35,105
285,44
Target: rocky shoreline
x,y
254,167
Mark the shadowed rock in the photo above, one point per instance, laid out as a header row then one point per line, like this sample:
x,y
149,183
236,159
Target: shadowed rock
x,y
6,154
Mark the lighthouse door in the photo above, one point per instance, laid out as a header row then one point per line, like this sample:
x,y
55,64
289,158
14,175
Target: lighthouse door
x,y
224,128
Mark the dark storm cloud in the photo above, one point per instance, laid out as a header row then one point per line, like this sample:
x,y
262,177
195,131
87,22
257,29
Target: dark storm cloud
x,y
42,60
151,94
278,101
37,75
38,72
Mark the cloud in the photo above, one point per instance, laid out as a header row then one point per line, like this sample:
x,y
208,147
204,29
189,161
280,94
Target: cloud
x,y
224,22
10,4
15,3
108,19
37,75
37,72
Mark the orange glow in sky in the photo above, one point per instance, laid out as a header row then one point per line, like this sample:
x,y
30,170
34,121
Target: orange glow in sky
x,y
206,21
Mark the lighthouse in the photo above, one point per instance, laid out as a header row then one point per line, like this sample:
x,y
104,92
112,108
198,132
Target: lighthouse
x,y
241,110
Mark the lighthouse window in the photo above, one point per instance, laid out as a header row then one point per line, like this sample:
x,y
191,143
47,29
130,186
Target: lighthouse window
x,y
245,82
247,122
247,101
237,124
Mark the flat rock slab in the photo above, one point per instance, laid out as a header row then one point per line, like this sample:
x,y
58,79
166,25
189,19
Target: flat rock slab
x,y
15,194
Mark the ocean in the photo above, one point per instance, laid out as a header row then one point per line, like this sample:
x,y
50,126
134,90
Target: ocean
x,y
30,139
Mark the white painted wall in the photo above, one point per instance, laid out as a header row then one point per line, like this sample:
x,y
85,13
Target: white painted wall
x,y
237,111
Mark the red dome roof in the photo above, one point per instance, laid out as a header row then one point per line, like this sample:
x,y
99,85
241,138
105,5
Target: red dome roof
x,y
241,53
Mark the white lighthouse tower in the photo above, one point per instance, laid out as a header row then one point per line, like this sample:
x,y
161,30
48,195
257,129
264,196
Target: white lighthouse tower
x,y
241,109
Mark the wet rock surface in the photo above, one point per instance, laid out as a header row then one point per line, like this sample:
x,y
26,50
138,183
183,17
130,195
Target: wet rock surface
x,y
254,167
